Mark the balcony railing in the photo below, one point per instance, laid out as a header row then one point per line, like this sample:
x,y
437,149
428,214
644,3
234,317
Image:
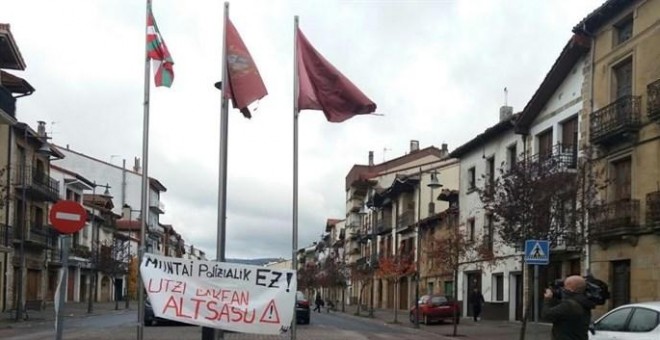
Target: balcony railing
x,y
653,97
82,251
38,180
653,210
383,226
38,236
617,120
7,102
406,219
561,157
615,219
6,235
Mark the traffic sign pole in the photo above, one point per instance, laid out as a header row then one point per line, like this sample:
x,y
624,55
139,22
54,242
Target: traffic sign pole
x,y
59,323
536,293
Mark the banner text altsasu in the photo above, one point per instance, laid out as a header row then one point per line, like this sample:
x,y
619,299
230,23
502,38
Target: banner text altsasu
x,y
229,296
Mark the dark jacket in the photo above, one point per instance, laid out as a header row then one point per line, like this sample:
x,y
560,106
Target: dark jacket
x,y
570,316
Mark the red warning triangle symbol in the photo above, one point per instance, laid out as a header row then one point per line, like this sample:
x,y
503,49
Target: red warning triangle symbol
x,y
270,314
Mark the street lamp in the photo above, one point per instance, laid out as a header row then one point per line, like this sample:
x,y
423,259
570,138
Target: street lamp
x,y
44,149
435,183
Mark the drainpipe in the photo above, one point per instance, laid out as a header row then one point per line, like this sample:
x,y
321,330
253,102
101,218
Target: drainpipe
x,y
587,253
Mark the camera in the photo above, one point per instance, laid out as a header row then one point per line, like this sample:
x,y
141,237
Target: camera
x,y
596,290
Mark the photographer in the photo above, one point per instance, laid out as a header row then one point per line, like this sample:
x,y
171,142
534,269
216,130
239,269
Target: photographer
x,y
569,313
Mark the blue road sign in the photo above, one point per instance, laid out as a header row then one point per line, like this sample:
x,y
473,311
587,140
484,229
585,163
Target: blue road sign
x,y
537,252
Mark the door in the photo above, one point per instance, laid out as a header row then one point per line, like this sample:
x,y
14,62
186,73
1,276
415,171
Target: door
x,y
518,279
620,283
623,88
403,294
473,281
33,283
545,144
622,179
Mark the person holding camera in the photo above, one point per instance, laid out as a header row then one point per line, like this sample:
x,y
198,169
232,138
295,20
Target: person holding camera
x,y
570,313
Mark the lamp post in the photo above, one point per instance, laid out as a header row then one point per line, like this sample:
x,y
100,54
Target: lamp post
x,y
418,250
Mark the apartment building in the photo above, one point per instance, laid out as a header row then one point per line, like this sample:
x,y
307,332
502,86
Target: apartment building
x,y
622,123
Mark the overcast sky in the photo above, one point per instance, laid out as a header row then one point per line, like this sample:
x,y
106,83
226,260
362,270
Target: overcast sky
x,y
436,70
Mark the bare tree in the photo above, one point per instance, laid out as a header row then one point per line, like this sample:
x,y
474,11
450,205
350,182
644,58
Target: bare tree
x,y
543,197
114,258
394,267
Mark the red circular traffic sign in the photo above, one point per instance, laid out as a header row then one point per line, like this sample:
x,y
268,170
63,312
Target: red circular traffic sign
x,y
68,217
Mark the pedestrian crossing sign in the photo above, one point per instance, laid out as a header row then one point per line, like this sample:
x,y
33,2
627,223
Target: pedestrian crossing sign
x,y
537,252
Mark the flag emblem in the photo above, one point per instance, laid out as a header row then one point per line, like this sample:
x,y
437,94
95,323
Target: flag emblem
x,y
158,53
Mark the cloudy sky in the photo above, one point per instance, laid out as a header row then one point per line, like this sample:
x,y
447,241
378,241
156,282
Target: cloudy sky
x,y
436,70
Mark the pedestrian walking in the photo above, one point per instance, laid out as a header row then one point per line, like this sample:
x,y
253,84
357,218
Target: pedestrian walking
x,y
318,302
477,301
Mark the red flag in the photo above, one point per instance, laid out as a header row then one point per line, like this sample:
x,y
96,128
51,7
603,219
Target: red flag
x,y
323,87
243,78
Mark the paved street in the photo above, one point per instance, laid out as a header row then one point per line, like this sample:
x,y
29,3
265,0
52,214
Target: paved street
x,y
107,323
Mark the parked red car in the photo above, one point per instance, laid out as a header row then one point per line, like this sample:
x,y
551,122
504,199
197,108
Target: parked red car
x,y
436,308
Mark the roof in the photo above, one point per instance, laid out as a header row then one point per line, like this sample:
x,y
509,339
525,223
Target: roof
x,y
331,222
15,84
152,181
485,136
366,172
601,15
128,225
74,175
10,55
575,48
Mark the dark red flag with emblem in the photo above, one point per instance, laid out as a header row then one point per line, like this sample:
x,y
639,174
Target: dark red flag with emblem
x,y
243,78
323,87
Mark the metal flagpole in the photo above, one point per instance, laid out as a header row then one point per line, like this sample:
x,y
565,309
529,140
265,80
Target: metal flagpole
x,y
294,243
210,333
145,174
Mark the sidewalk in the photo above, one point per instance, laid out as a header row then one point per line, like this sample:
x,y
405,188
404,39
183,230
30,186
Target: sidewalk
x,y
467,328
71,310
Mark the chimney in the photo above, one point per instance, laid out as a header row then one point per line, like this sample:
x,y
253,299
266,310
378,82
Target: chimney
x,y
41,128
126,212
505,112
444,149
136,166
414,145
371,158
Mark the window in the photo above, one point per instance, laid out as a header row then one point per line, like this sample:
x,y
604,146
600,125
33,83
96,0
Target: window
x,y
498,287
471,229
489,237
471,179
615,321
429,288
621,179
490,170
545,143
512,155
623,30
643,320
623,79
449,288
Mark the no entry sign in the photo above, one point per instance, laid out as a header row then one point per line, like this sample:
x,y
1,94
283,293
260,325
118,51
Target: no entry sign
x,y
68,217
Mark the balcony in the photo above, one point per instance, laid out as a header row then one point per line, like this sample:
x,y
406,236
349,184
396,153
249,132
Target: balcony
x,y
406,219
81,251
38,185
6,235
157,207
653,211
615,220
37,237
616,122
568,242
653,103
383,226
561,158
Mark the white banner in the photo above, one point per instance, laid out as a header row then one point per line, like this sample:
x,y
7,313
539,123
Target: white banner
x,y
235,297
